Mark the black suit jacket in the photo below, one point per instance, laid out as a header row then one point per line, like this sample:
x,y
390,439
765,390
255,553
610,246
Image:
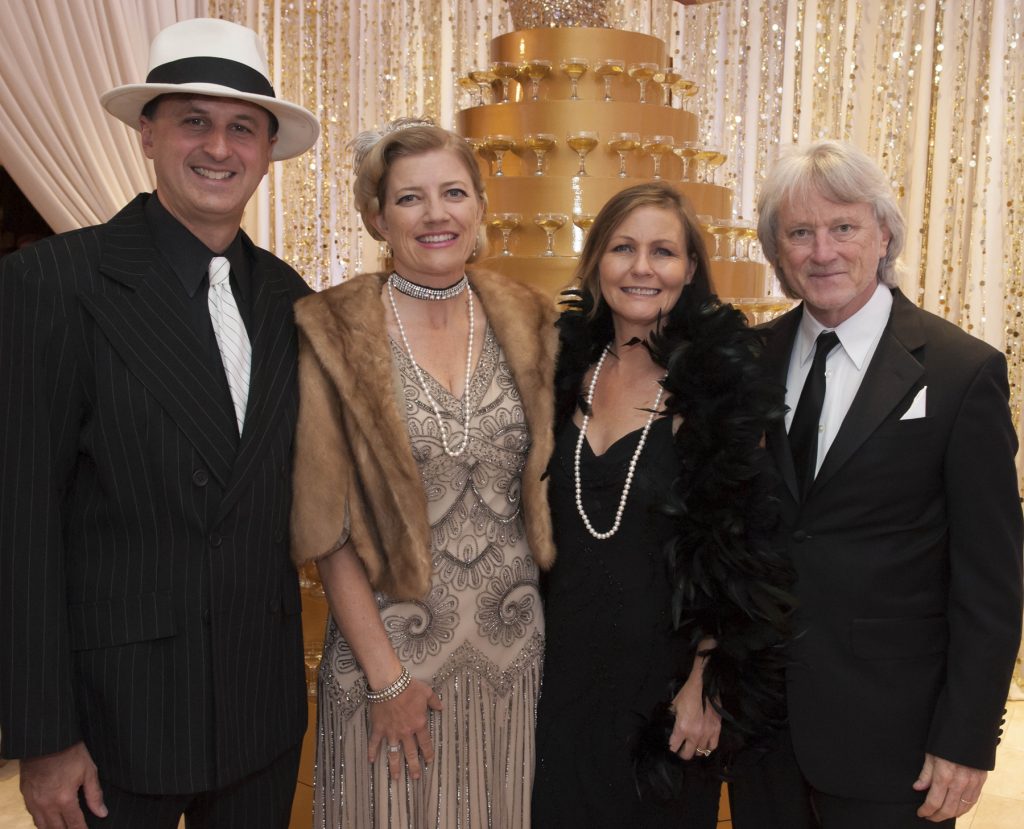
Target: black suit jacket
x,y
148,605
908,556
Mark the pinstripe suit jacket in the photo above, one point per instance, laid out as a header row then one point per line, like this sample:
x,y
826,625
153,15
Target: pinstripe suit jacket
x,y
147,602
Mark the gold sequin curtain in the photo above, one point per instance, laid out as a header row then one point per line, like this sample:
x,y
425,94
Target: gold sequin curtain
x,y
928,87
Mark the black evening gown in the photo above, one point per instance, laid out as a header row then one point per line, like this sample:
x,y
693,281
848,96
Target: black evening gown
x,y
610,655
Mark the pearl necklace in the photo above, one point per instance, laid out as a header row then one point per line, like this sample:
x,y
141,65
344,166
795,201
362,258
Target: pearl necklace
x,y
419,374
632,464
417,291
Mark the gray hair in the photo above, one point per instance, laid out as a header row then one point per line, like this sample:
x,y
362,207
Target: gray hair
x,y
841,173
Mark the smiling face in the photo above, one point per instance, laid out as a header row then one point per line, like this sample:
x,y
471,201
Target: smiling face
x,y
829,254
209,155
643,270
430,216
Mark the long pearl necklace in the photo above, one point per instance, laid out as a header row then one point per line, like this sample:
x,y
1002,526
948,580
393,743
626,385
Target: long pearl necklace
x,y
632,464
451,453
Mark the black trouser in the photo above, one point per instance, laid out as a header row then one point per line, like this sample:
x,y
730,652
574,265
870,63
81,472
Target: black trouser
x,y
767,790
844,813
263,800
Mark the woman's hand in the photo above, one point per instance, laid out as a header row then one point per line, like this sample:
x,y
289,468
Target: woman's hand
x,y
404,722
698,724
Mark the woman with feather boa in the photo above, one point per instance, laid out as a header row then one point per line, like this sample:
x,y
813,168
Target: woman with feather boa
x,y
666,607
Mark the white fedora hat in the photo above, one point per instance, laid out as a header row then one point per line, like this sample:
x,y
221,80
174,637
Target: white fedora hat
x,y
205,56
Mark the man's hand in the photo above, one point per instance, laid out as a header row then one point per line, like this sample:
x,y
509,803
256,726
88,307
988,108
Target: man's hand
x,y
50,787
952,789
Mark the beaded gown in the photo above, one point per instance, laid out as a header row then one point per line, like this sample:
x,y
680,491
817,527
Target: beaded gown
x,y
477,637
610,655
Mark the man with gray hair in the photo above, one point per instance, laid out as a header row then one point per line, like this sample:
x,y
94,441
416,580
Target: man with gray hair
x,y
900,509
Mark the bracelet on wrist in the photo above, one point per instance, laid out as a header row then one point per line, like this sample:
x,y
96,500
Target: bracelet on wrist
x,y
392,690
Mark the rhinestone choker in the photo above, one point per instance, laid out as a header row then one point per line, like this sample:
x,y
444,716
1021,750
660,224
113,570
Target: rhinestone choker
x,y
412,289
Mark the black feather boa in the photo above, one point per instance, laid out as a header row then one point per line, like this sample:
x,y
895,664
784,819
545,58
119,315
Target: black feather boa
x,y
729,584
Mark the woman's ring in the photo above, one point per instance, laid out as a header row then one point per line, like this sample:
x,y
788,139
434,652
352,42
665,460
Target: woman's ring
x,y
394,749
704,752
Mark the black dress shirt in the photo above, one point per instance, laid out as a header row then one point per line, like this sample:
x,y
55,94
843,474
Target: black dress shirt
x,y
190,259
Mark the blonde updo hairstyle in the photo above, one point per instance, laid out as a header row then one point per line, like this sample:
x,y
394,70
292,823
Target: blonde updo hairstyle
x,y
374,152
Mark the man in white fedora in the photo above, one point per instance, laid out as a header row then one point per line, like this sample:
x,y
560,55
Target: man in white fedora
x,y
152,662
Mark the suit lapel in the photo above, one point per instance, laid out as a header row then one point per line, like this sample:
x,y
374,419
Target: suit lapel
x,y
892,373
272,382
145,323
778,345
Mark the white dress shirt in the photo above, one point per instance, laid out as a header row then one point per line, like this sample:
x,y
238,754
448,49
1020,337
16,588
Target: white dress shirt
x,y
844,368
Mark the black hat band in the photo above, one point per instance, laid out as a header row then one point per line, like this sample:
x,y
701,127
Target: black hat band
x,y
212,70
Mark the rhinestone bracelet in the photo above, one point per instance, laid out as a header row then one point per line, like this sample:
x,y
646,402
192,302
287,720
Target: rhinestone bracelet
x,y
392,690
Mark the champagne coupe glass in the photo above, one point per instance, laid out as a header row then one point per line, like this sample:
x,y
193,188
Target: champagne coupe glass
x,y
754,252
505,223
686,150
608,70
584,221
582,142
686,89
479,146
549,223
467,84
719,229
622,143
746,233
484,78
499,145
575,68
702,156
540,143
642,73
666,78
713,163
535,71
734,235
504,71
656,146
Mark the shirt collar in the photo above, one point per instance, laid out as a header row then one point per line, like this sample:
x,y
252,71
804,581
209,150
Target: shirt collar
x,y
856,335
188,257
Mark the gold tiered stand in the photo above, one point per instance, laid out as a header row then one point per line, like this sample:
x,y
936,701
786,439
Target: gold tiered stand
x,y
518,190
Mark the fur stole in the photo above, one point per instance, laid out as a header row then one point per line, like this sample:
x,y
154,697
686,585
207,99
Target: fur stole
x,y
355,476
728,582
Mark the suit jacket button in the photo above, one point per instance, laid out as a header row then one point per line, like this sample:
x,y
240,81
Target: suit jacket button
x,y
206,617
274,605
200,477
800,535
215,539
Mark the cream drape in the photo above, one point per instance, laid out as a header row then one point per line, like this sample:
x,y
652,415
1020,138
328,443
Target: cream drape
x,y
76,164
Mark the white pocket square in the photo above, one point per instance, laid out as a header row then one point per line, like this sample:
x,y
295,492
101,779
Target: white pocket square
x,y
917,407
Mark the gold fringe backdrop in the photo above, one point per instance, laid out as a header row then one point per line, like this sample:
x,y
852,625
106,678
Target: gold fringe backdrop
x,y
930,88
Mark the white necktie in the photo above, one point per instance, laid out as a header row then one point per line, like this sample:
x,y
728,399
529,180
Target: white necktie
x,y
232,339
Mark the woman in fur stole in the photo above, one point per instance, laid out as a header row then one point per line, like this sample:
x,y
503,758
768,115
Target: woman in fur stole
x,y
424,430
665,607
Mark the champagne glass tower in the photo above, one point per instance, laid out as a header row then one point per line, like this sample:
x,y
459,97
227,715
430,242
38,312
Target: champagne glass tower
x,y
590,93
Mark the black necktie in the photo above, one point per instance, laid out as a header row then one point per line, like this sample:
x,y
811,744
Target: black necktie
x,y
803,433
